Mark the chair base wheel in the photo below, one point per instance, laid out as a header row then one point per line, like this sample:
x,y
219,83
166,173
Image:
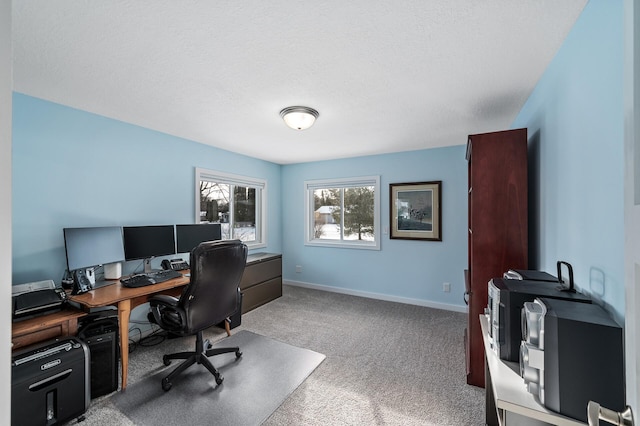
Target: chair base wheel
x,y
166,385
165,360
238,354
219,379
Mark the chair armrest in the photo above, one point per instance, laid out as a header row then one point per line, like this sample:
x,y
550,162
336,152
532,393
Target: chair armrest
x,y
166,312
163,299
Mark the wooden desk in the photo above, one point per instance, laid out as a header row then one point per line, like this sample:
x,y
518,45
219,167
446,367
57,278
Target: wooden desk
x,y
44,327
125,299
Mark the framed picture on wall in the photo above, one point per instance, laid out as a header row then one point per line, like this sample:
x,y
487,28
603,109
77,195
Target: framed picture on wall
x,y
416,210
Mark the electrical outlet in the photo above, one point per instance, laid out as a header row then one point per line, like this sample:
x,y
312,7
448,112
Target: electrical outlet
x,y
298,269
446,287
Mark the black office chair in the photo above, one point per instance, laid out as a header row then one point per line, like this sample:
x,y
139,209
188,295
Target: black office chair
x,y
212,296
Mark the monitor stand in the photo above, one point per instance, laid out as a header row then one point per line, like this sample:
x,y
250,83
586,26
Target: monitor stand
x,y
147,265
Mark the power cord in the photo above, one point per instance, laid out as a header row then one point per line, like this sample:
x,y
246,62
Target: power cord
x,y
156,337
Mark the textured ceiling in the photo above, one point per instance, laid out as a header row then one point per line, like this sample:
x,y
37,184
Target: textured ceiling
x,y
386,76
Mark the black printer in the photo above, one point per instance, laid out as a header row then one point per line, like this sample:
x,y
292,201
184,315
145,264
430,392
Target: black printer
x,y
36,298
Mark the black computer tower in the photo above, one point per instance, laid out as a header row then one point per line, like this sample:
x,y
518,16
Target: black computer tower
x,y
50,383
100,333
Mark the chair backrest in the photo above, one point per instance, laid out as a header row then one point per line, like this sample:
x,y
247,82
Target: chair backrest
x,y
216,271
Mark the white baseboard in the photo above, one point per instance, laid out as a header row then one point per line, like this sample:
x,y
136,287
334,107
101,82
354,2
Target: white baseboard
x,y
379,296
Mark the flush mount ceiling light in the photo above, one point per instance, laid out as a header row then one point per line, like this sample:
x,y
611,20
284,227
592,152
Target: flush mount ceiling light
x,y
299,117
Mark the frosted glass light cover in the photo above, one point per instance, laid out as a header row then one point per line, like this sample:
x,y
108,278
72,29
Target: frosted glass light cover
x,y
299,118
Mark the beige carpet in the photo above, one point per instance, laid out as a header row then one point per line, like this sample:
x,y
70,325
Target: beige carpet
x,y
386,363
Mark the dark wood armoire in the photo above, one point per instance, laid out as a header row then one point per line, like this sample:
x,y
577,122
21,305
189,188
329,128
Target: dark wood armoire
x,y
498,227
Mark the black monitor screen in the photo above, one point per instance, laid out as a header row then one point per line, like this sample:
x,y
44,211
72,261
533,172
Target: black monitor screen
x,y
89,247
189,236
143,242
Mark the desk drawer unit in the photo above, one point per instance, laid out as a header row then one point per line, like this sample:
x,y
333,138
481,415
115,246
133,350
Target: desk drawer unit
x,y
261,281
26,332
23,341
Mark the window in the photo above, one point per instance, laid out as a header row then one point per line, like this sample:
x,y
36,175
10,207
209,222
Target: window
x,y
237,203
343,212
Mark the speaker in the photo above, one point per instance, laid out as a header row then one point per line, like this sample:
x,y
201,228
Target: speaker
x,y
100,333
573,353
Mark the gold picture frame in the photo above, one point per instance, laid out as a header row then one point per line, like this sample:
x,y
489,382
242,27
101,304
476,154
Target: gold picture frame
x,y
416,210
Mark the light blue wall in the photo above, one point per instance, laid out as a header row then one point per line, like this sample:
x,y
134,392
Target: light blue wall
x,y
73,169
575,122
413,270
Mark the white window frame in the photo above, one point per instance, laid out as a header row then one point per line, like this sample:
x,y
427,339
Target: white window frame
x,y
311,185
261,199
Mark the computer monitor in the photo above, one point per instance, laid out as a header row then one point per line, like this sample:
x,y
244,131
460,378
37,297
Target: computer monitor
x,y
189,236
147,242
89,247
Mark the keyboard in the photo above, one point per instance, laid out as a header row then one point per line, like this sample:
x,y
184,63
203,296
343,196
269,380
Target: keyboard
x,y
141,280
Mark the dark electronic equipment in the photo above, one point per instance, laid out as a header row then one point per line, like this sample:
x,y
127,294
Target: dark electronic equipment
x,y
529,275
532,275
38,302
142,280
36,298
174,264
99,331
81,283
572,353
506,298
50,384
67,280
147,242
189,236
89,247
